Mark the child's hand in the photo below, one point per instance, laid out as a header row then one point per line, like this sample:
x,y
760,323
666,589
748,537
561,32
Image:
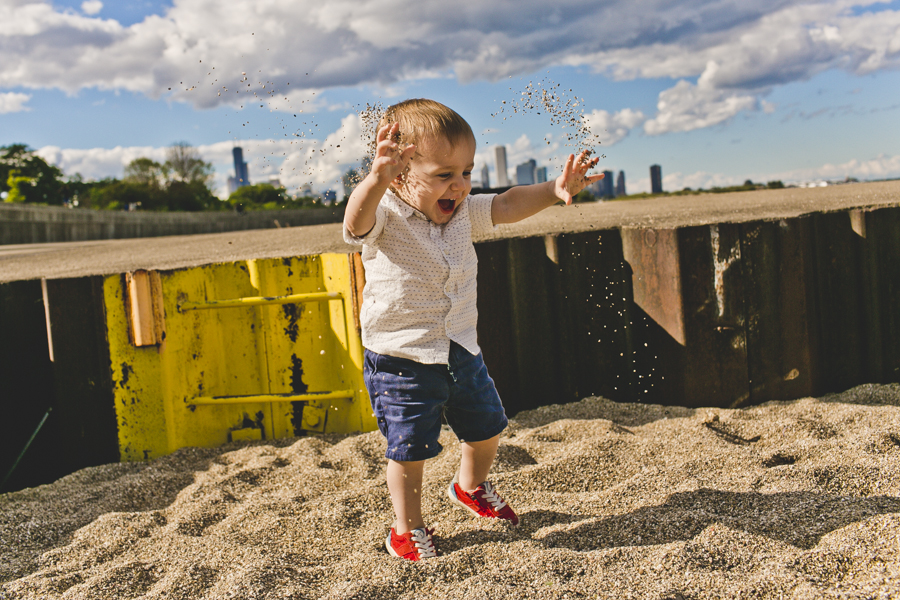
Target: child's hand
x,y
390,161
574,177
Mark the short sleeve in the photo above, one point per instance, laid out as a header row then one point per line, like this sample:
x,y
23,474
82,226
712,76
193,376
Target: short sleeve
x,y
480,213
380,219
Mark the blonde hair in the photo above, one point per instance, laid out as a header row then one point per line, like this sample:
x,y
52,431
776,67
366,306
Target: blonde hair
x,y
420,118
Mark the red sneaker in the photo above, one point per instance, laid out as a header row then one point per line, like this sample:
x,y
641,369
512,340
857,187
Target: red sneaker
x,y
484,502
412,545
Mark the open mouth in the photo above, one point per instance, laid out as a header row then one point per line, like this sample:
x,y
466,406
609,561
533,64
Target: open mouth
x,y
447,206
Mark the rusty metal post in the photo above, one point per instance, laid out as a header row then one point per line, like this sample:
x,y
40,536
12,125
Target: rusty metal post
x,y
782,346
592,319
495,322
880,259
715,364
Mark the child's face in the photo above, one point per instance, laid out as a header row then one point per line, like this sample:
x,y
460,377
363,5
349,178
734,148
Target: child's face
x,y
439,177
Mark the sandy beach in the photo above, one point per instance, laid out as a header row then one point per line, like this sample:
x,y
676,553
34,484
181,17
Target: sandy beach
x,y
796,499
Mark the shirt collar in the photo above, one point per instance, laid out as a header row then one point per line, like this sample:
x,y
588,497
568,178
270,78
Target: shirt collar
x,y
400,207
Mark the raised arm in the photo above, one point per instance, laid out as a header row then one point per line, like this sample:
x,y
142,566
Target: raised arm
x,y
522,201
390,161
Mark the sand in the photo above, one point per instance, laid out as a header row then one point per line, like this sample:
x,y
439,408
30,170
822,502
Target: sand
x,y
796,499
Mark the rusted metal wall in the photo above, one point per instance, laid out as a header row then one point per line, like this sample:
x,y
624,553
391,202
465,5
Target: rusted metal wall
x,y
724,315
83,419
73,381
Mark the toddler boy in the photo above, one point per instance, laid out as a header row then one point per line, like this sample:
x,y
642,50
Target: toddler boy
x,y
414,217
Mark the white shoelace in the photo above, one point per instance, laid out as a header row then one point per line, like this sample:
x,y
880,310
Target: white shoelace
x,y
492,496
424,543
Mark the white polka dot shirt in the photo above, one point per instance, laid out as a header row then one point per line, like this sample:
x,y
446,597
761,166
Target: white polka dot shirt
x,y
421,280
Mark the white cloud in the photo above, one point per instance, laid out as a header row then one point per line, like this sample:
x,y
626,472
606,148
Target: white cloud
x,y
285,55
322,163
880,167
13,102
759,46
736,48
91,7
98,163
700,179
686,107
612,128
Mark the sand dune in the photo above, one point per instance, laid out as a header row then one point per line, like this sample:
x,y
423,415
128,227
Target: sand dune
x,y
793,499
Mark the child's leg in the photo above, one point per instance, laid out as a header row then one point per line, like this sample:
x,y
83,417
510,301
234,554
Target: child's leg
x,y
404,479
476,461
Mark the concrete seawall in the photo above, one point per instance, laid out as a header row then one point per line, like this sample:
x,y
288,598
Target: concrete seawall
x,y
23,224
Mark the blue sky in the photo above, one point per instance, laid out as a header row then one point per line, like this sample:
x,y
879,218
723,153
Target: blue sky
x,y
715,91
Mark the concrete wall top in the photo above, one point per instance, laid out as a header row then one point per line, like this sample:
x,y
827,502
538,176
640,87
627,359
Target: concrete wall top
x,y
30,212
103,257
670,212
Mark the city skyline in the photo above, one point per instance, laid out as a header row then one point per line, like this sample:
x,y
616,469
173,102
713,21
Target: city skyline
x,y
718,93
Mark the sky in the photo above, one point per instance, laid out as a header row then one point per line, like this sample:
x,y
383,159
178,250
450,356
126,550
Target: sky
x,y
714,91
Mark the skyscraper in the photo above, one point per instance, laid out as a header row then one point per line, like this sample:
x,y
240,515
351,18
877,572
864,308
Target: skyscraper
x,y
541,175
595,189
525,173
485,177
500,159
241,175
656,179
620,184
608,190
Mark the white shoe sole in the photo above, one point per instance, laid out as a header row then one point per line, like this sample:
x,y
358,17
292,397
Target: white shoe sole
x,y
387,544
451,493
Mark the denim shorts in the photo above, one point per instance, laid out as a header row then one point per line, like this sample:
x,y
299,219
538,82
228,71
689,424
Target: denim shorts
x,y
410,398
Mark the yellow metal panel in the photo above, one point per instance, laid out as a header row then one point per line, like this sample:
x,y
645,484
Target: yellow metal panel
x,y
356,415
250,433
211,353
136,380
240,348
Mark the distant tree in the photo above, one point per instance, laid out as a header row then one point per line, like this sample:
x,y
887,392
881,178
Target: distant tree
x,y
583,196
189,196
77,191
775,185
146,171
261,196
28,177
112,194
184,164
179,184
18,187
